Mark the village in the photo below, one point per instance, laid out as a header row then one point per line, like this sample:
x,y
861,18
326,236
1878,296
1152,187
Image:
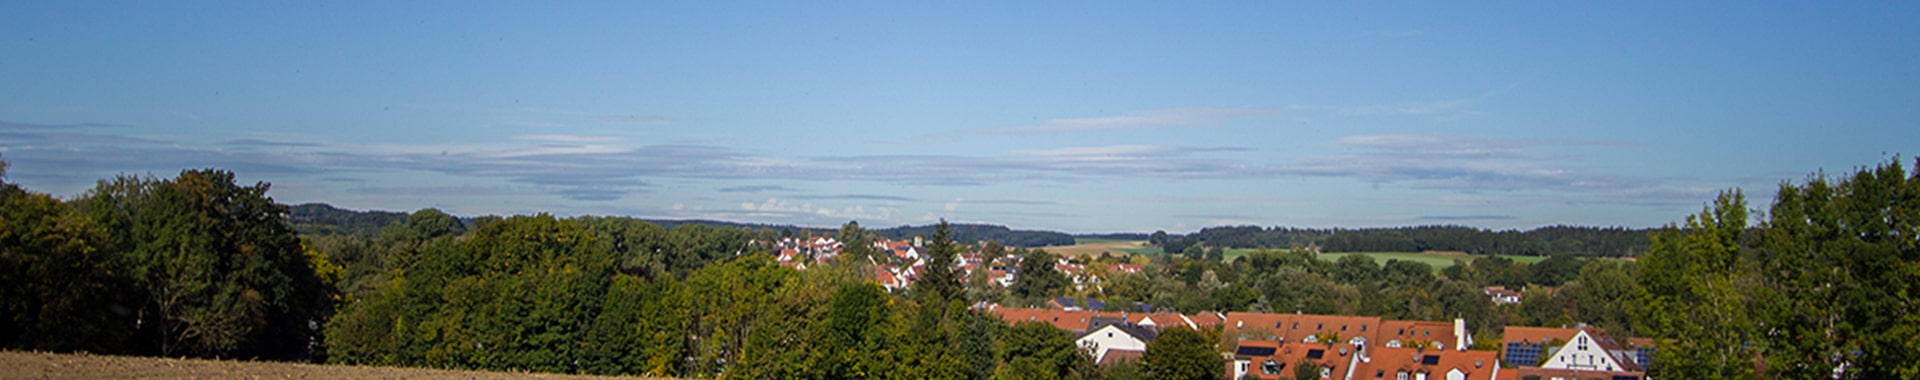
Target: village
x,y
1272,345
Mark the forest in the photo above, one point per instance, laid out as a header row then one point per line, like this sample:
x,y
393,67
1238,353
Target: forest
x,y
1821,282
1543,241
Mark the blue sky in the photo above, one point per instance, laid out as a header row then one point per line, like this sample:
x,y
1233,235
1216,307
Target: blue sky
x,y
1080,117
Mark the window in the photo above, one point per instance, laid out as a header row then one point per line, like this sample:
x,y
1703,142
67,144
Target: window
x,y
1343,327
1402,375
1363,328
1326,372
1270,367
1296,325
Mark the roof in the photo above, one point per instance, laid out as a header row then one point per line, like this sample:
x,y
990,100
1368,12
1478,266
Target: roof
x,y
1535,335
1120,355
1386,362
1551,373
1417,331
1296,327
1142,333
1335,356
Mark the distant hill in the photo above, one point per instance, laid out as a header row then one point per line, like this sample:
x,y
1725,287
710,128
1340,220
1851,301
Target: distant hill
x,y
969,233
1114,236
324,219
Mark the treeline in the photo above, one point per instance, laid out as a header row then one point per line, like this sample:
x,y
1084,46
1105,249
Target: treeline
x,y
544,294
191,266
1544,241
1825,285
198,266
970,233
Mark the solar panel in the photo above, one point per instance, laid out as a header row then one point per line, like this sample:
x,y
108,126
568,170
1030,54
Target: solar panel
x,y
1316,353
1430,360
1254,351
1523,354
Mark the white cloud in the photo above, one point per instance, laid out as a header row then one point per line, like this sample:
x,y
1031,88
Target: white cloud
x,y
1186,117
566,138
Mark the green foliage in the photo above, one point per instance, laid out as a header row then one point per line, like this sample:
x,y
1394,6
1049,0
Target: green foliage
x,y
225,272
1843,278
1306,369
1183,354
1038,278
1037,350
1695,294
57,291
938,282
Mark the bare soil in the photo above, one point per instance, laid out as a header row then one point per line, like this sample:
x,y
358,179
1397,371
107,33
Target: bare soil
x,y
41,365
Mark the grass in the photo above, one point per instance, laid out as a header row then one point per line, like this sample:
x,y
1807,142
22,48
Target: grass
x,y
1438,260
1081,240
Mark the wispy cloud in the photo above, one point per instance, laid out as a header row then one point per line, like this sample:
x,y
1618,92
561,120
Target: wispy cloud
x,y
1187,117
754,189
598,168
864,197
1465,218
267,143
567,138
15,125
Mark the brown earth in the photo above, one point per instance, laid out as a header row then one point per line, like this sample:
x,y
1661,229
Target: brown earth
x,y
41,365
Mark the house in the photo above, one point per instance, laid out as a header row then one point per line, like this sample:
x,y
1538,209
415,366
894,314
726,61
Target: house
x,y
1423,334
1591,349
1253,359
1573,353
1501,296
1392,363
1070,303
1116,337
1302,328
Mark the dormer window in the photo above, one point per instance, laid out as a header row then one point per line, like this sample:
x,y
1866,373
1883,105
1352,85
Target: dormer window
x,y
1270,367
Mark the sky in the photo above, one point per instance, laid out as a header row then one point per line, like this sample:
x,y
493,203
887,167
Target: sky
x,y
1070,116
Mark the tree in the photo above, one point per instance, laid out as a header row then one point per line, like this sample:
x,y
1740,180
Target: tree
x,y
938,283
855,243
1842,267
1355,268
57,288
1184,354
1695,297
224,271
1036,276
853,328
1037,350
1306,369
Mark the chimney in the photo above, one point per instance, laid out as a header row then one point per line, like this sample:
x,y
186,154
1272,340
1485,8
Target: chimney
x,y
1460,334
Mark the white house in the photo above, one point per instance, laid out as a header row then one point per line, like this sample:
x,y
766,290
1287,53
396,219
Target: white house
x,y
1590,352
1115,337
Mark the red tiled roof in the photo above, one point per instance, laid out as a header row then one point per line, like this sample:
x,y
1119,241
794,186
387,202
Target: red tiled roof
x,y
1388,362
1417,331
1335,356
1295,327
1515,334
